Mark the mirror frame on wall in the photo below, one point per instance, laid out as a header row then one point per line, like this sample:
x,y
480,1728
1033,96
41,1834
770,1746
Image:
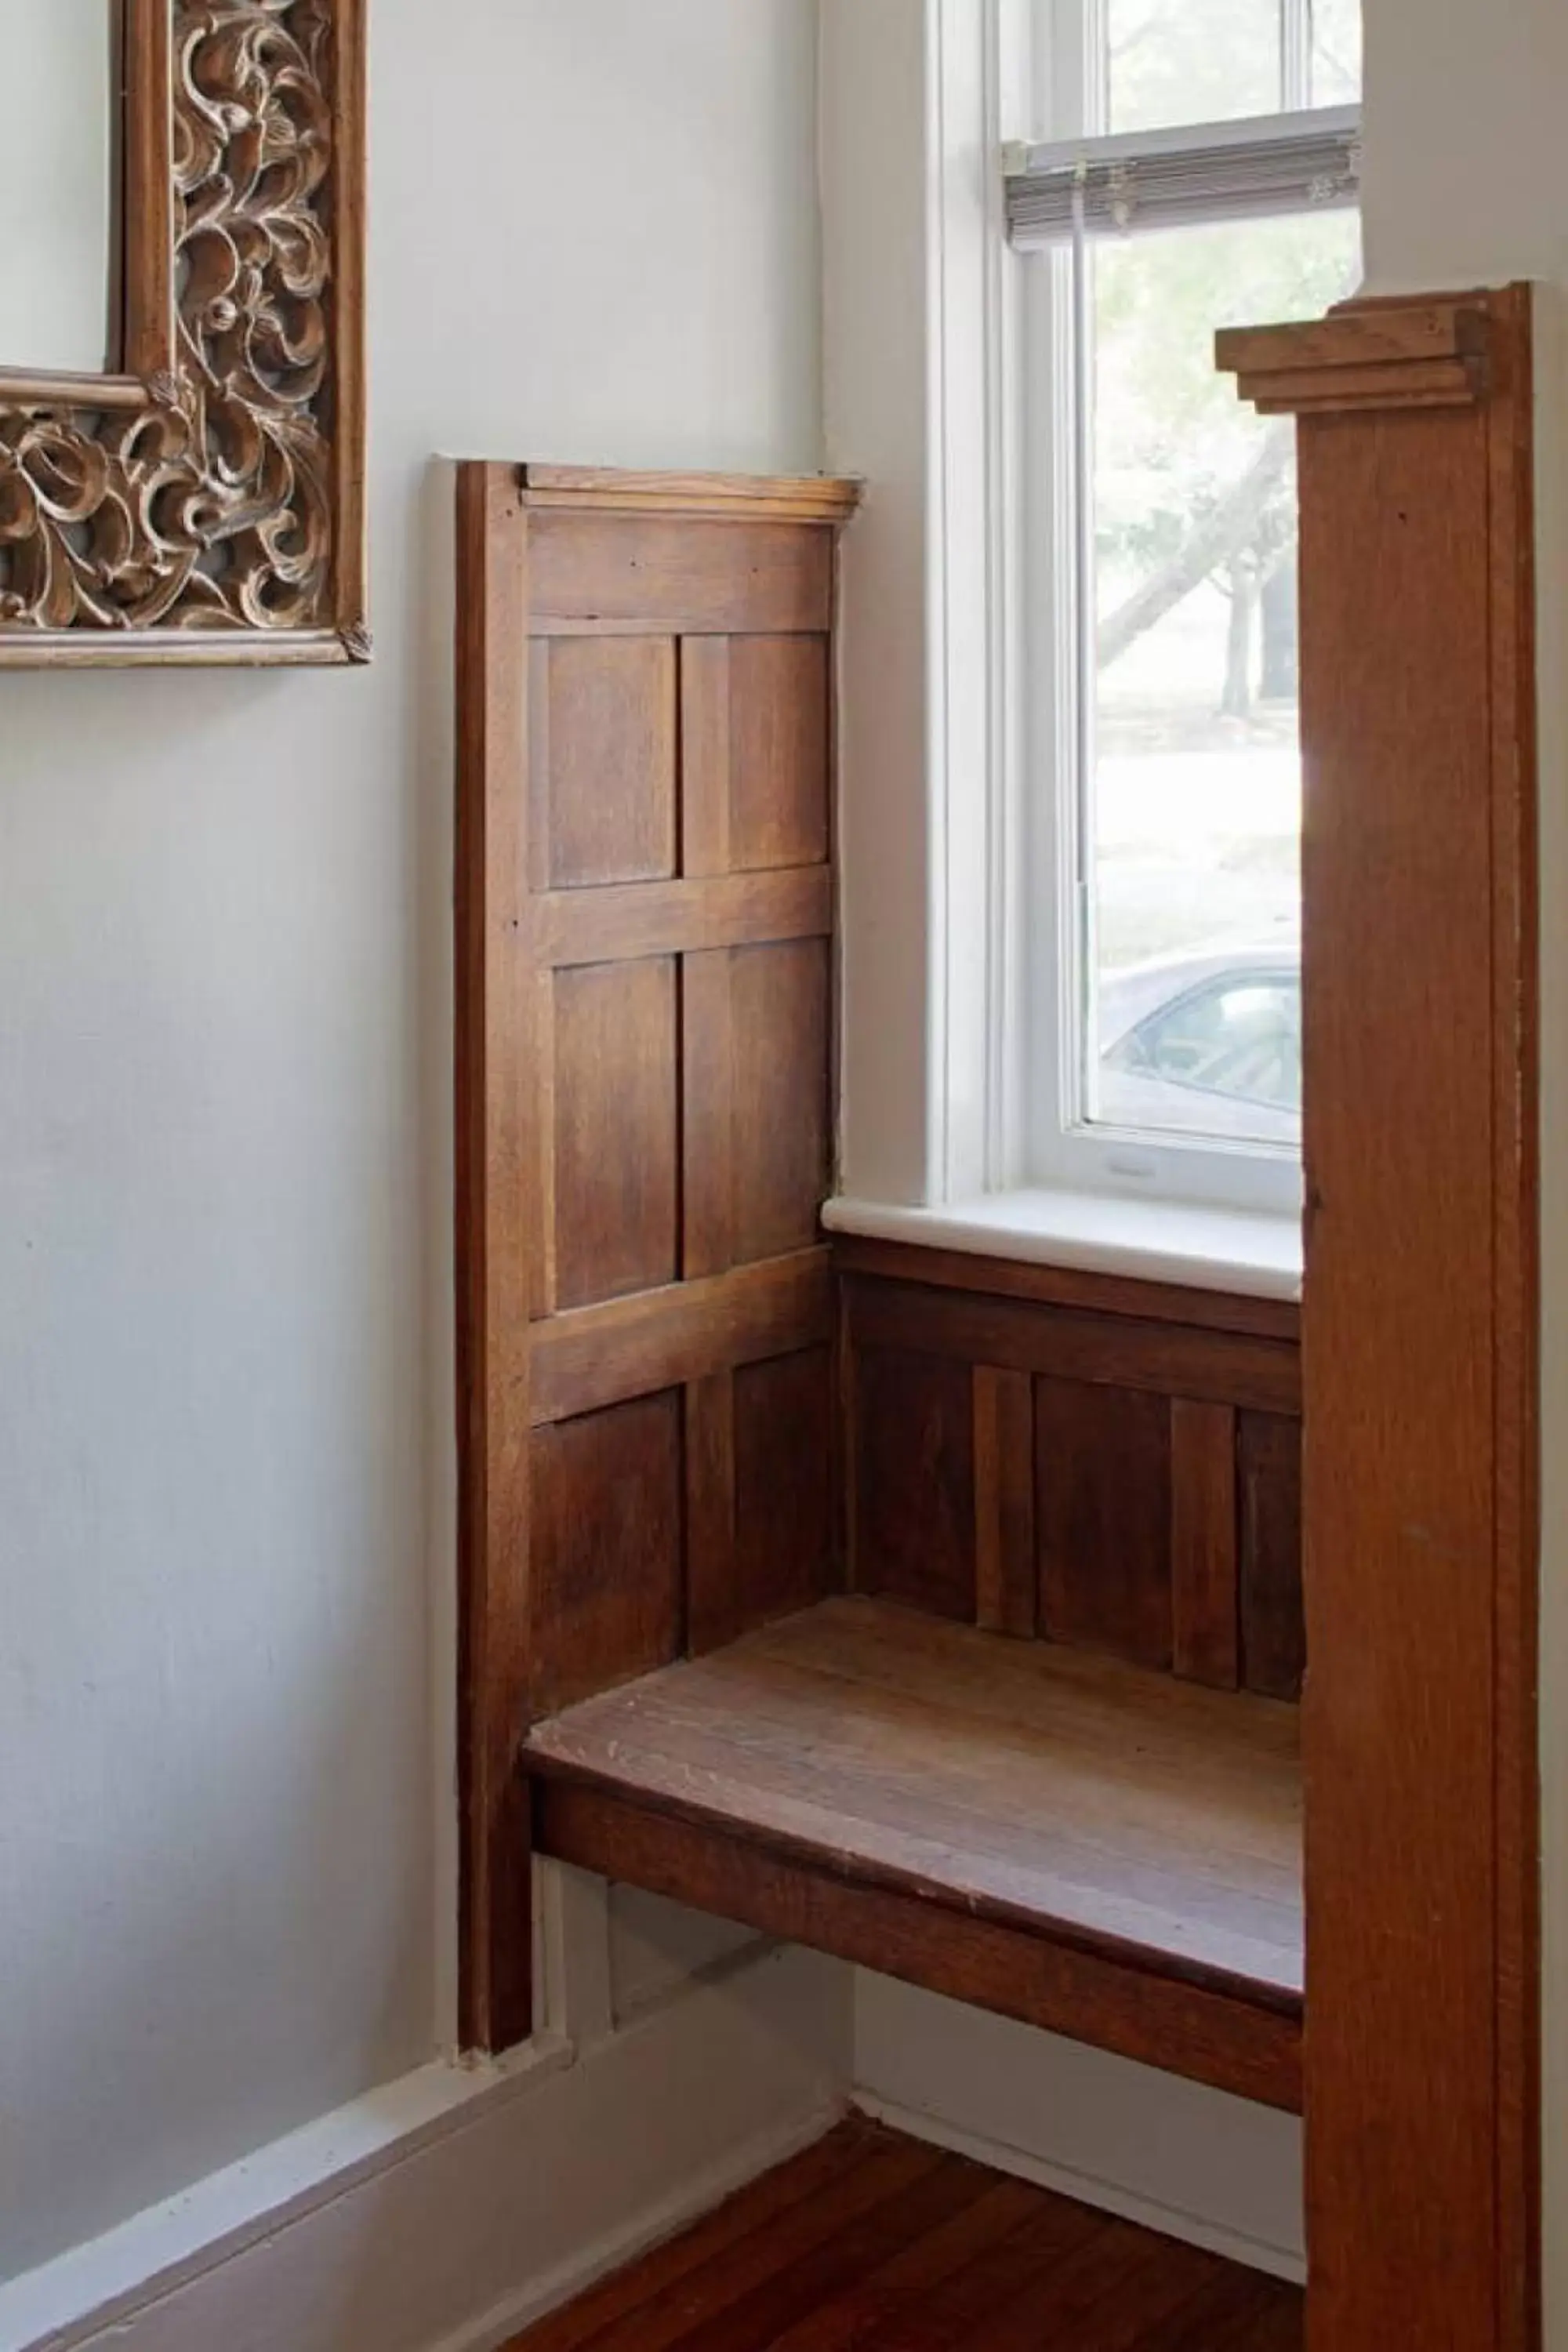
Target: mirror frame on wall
x,y
205,504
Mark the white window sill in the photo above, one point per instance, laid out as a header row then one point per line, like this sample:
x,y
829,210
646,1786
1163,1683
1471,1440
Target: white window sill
x,y
1142,1241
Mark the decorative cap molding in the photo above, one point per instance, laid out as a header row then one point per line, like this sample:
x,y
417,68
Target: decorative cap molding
x,y
731,498
1402,351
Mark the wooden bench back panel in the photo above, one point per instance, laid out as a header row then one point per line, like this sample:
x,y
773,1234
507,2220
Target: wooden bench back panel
x,y
1076,1461
644,1020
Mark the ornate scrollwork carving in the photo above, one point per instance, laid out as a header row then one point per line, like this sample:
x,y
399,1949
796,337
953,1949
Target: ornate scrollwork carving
x,y
208,505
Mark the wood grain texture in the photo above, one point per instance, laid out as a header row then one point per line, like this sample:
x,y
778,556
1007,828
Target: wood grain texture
x,y
1074,1344
922,1829
497,1224
1204,1584
617,1130
1088,1448
731,497
779,751
1419,1356
607,1599
1273,1626
781,1045
1070,1796
603,759
783,1484
1056,1285
1102,1508
644,1043
914,1480
595,572
1006,1578
206,505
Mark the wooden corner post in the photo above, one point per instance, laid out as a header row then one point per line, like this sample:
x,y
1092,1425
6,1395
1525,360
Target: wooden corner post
x,y
1420,1314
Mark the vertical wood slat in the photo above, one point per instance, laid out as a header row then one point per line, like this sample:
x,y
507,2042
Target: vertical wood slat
x,y
1007,1583
705,757
713,1598
1273,1630
1204,1589
706,1115
496,1176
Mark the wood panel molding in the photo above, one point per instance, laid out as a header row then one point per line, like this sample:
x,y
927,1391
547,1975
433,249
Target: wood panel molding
x,y
1391,352
1073,1462
644,915
1420,1318
206,505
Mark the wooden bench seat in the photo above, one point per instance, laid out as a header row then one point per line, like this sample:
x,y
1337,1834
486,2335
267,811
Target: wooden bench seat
x,y
1056,1835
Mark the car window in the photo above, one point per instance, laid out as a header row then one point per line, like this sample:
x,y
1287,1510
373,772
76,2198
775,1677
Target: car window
x,y
1238,1036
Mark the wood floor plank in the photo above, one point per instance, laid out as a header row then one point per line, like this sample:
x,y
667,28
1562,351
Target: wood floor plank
x,y
779,2300
912,2275
1124,2286
888,2172
949,2320
758,2205
1014,1781
874,2243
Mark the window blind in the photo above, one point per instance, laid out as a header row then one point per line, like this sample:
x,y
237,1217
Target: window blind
x,y
1186,178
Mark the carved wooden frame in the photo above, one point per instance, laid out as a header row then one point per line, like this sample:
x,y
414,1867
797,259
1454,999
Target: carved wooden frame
x,y
206,505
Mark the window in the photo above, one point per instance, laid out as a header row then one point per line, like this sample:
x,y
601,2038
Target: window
x,y
1195,167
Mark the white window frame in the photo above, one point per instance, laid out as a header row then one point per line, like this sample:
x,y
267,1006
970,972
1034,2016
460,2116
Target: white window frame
x,y
935,1139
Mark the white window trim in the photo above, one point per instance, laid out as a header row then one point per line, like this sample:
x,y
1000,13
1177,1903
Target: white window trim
x,y
933,1143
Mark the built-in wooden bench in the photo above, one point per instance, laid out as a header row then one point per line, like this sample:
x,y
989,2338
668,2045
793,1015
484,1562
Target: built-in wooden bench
x,y
942,1614
1074,1842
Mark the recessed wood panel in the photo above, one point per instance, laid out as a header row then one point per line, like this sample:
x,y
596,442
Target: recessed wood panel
x,y
914,1504
603,747
783,1484
637,572
607,1568
1103,1472
617,1130
778,752
779,1029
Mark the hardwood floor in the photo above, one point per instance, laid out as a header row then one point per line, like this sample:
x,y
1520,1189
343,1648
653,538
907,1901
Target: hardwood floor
x,y
873,2242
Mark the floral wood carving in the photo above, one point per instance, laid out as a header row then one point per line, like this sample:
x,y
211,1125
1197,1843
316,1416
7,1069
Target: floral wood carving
x,y
215,499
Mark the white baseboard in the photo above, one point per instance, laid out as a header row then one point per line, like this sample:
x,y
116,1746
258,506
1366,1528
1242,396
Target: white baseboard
x,y
444,2213
1192,2163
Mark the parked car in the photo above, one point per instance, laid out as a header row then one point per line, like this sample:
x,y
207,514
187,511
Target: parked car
x,y
1206,1045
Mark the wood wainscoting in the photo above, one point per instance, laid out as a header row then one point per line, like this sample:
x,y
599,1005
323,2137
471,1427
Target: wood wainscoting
x,y
645,919
1110,1464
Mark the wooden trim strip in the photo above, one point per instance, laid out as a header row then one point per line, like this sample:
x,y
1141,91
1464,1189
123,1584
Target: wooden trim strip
x,y
1016,1335
599,1356
1006,1576
1059,1286
494,1034
1233,2043
1379,355
741,498
630,919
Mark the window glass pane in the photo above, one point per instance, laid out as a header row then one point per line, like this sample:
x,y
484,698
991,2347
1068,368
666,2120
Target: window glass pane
x,y
1194,803
1336,52
1192,60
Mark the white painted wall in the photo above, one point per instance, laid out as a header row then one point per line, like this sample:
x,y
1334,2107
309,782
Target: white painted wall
x,y
224,1282
55,168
